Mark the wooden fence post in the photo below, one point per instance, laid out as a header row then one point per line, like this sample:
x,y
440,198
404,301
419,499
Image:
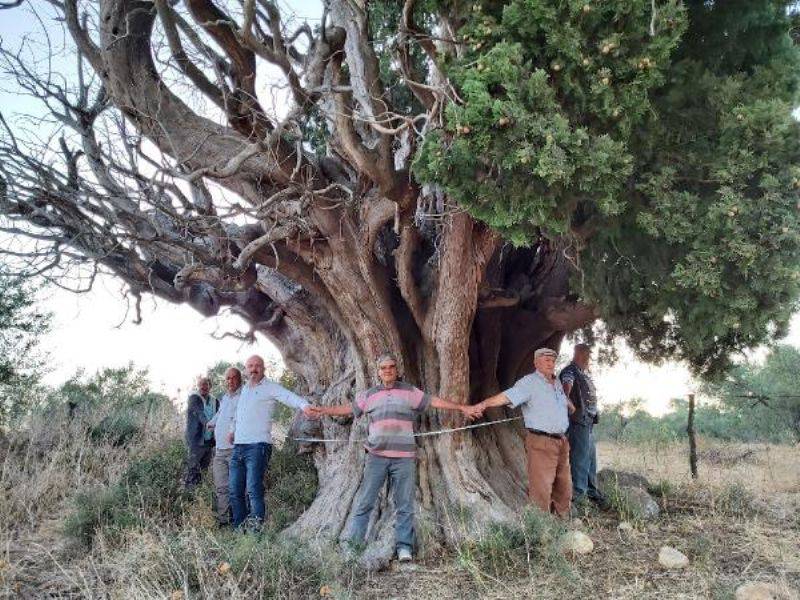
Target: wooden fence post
x,y
692,438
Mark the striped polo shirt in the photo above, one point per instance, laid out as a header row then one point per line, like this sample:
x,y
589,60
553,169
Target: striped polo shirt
x,y
392,412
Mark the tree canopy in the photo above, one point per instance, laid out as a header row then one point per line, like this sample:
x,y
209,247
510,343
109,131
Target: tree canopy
x,y
653,143
659,138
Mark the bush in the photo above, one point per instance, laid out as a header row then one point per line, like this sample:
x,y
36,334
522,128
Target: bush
x,y
629,423
118,429
518,548
291,485
149,490
736,500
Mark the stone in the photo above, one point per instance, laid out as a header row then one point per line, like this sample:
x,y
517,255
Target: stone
x,y
609,477
671,558
625,527
575,542
629,492
759,590
640,503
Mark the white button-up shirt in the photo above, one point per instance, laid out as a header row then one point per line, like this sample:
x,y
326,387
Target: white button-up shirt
x,y
253,421
223,420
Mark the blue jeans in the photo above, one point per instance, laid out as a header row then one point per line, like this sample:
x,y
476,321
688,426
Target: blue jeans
x,y
583,461
402,474
248,465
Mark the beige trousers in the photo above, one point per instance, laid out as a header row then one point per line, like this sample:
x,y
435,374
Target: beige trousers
x,y
549,478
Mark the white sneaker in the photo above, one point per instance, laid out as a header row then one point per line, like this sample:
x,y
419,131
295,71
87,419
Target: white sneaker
x,y
404,555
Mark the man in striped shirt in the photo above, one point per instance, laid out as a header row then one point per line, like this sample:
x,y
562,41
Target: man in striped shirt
x,y
392,408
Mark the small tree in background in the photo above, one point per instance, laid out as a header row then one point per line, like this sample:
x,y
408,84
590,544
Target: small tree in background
x,y
766,393
22,324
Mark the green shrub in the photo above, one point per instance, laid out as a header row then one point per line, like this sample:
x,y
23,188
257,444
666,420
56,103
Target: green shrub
x,y
736,500
291,484
662,489
151,489
517,548
118,429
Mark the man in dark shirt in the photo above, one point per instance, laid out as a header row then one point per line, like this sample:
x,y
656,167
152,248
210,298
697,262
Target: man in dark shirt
x,y
579,387
200,410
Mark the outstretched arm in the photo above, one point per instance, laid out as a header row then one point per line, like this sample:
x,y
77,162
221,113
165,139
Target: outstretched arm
x,y
498,400
340,410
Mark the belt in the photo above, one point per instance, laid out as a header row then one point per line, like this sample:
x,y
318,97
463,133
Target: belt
x,y
555,436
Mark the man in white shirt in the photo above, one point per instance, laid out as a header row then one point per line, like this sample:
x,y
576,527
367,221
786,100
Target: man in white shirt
x,y
222,422
251,436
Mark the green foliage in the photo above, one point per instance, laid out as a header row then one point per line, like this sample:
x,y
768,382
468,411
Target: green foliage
x,y
507,549
728,418
114,402
552,95
21,326
661,144
150,490
765,395
291,485
283,566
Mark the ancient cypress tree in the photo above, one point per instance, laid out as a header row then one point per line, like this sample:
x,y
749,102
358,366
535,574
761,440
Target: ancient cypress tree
x,y
459,183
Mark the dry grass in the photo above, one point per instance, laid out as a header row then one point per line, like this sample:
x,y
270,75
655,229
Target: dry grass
x,y
738,522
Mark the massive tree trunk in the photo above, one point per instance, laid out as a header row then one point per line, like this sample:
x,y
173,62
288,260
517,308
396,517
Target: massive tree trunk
x,y
335,259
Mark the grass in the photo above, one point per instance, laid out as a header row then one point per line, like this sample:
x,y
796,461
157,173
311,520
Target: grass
x,y
142,538
522,548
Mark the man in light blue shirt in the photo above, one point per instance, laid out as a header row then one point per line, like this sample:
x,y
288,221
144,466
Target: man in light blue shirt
x,y
545,410
221,464
251,436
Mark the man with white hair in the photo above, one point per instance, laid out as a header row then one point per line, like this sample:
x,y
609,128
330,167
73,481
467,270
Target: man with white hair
x,y
392,408
545,412
199,439
251,436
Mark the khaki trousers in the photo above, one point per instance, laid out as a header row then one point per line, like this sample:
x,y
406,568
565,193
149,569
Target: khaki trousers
x,y
549,479
220,469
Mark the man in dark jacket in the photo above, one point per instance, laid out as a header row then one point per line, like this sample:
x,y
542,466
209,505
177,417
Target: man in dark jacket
x,y
579,388
199,439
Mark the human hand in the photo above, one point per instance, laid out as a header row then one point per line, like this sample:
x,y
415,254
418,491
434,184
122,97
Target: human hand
x,y
313,412
209,425
230,437
472,412
570,407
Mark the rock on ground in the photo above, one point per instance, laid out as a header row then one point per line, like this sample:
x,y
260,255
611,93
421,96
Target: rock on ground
x,y
760,590
672,558
575,542
630,491
625,527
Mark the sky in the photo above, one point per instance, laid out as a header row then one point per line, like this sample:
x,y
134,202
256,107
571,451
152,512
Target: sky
x,y
94,330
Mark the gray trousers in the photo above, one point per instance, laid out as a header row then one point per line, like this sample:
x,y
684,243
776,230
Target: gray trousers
x,y
220,469
402,475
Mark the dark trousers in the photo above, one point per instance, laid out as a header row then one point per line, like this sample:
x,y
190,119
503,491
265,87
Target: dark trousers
x,y
583,462
248,464
199,459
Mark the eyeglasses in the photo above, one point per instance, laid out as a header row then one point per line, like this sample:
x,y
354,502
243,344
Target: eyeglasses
x,y
387,367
